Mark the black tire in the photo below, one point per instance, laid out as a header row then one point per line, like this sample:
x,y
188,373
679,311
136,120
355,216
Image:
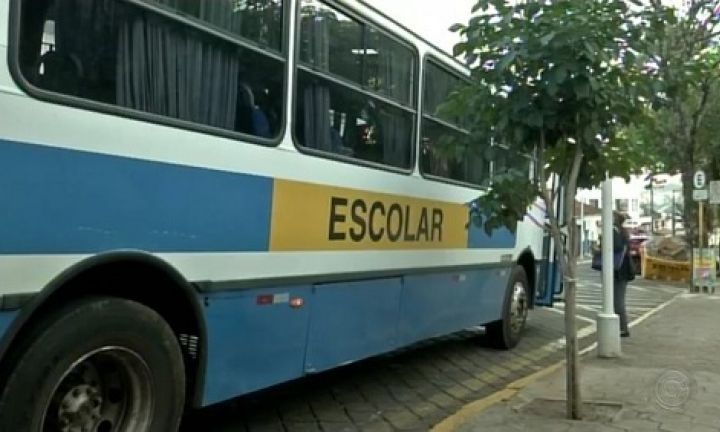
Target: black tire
x,y
503,334
85,348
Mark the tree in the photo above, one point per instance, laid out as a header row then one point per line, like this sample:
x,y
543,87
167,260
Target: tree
x,y
557,80
681,132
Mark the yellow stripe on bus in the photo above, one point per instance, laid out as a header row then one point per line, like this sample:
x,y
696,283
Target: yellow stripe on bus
x,y
309,216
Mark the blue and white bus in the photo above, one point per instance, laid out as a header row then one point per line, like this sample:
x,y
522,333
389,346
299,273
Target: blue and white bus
x,y
203,198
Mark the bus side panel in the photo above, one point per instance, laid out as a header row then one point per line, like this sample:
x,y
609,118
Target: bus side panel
x,y
351,321
434,305
255,340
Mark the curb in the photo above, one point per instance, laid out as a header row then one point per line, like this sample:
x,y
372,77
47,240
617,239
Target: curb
x,y
475,408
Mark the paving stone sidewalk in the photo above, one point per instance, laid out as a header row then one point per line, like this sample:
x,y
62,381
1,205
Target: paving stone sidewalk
x,y
668,379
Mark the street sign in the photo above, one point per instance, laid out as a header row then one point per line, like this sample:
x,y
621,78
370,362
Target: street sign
x,y
699,179
700,194
714,195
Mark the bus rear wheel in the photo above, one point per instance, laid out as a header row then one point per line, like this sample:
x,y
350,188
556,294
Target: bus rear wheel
x,y
506,333
98,365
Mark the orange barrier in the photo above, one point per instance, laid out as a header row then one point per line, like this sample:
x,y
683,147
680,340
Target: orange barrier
x,y
663,269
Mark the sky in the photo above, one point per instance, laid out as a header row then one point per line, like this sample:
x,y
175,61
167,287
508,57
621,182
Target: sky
x,y
429,18
432,18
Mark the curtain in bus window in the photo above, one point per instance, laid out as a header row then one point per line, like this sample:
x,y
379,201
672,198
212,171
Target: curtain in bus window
x,y
177,73
396,137
316,94
316,100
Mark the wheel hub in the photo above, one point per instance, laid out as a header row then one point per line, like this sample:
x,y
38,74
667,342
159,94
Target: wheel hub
x,y
107,390
80,409
518,308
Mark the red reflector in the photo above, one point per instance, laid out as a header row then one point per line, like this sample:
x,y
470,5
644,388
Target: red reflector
x,y
265,299
297,302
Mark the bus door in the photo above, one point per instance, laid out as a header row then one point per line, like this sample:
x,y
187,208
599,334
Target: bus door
x,y
550,286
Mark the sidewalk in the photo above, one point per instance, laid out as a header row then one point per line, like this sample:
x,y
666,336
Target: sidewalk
x,y
668,379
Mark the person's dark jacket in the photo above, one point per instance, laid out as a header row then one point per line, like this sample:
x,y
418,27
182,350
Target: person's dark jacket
x,y
621,241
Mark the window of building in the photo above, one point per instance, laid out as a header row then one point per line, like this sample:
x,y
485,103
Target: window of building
x,y
621,205
354,90
206,62
446,148
595,203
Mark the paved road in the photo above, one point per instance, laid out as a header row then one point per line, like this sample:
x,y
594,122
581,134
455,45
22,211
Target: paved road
x,y
417,387
642,295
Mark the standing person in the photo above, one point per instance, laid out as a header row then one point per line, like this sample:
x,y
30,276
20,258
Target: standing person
x,y
624,274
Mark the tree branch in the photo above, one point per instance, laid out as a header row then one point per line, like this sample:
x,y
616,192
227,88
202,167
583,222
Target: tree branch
x,y
699,114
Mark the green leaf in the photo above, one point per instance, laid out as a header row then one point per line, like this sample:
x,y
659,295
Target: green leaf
x,y
581,89
459,48
506,60
457,27
535,119
547,38
558,73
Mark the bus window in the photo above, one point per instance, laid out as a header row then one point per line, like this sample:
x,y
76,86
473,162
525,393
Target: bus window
x,y
447,153
146,60
259,21
330,41
389,67
446,150
354,90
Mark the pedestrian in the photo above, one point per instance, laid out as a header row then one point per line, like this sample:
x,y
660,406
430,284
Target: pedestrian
x,y
624,273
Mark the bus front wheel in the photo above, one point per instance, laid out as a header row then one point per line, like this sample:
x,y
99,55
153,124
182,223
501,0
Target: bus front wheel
x,y
506,333
101,364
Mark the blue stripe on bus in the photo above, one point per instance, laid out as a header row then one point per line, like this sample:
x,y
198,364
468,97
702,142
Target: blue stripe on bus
x,y
80,202
501,238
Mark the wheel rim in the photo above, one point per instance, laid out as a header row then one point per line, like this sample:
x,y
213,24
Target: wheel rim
x,y
106,390
518,308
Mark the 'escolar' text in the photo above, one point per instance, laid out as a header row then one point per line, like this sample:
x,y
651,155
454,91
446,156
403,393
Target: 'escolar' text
x,y
359,220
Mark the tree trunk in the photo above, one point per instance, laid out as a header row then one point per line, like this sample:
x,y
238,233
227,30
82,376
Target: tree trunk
x,y
574,396
568,262
690,209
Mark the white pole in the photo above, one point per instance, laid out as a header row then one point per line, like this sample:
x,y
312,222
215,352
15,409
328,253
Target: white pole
x,y
608,323
582,227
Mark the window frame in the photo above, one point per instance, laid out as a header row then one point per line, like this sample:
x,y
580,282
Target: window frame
x,y
134,114
432,58
299,66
